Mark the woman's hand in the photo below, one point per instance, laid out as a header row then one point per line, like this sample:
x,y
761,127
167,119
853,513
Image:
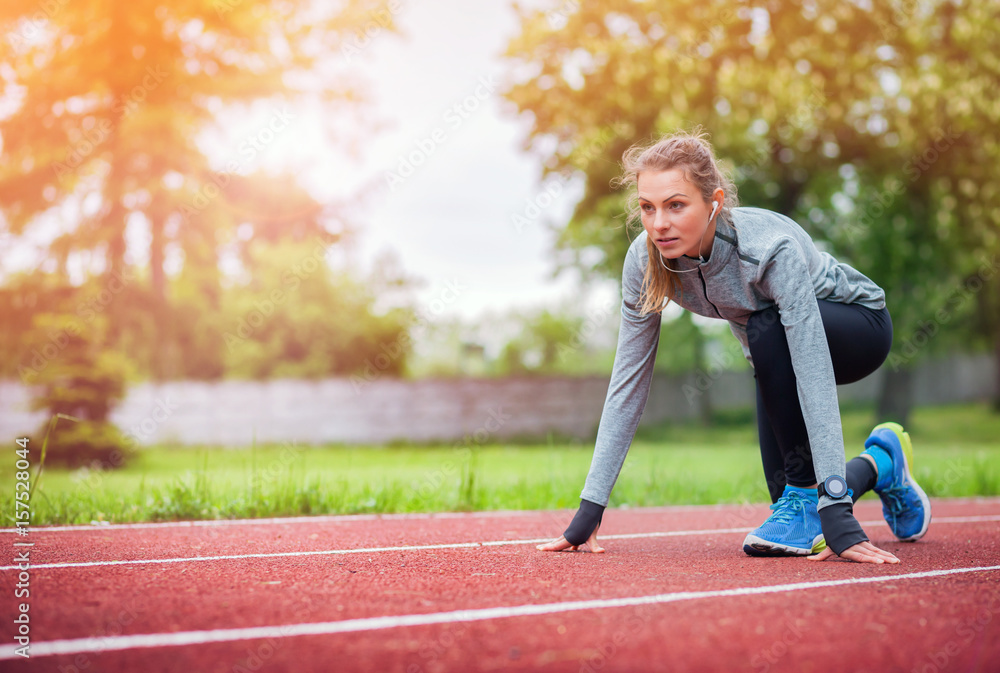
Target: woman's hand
x,y
863,552
560,544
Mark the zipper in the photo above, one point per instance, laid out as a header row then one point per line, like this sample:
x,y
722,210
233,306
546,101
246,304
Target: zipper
x,y
704,287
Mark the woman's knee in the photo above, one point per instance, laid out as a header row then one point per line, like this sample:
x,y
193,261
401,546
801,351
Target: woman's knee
x,y
859,339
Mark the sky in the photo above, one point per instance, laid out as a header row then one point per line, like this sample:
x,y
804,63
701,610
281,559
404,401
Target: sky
x,y
437,85
446,168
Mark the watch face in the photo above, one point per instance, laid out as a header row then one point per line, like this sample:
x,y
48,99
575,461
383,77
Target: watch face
x,y
836,487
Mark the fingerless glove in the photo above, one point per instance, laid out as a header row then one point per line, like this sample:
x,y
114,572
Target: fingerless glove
x,y
587,519
840,529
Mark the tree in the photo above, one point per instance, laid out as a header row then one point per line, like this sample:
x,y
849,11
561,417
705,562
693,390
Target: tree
x,y
547,343
801,98
296,318
81,381
953,77
927,226
111,98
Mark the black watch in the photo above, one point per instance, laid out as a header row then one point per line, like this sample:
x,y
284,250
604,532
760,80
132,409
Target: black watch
x,y
834,487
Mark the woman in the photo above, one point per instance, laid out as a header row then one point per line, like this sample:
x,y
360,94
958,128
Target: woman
x,y
806,323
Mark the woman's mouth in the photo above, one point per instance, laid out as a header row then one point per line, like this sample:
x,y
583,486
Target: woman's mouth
x,y
666,242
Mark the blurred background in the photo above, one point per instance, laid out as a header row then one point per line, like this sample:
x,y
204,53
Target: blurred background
x,y
229,223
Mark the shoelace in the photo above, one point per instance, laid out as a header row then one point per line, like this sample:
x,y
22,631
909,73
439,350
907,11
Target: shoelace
x,y
896,495
786,508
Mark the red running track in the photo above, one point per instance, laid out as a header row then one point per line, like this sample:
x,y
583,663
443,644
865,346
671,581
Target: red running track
x,y
468,592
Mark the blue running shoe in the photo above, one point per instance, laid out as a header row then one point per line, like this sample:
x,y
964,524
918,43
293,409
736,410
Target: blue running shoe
x,y
904,504
792,530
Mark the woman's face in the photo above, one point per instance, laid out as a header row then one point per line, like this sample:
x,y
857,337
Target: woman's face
x,y
675,215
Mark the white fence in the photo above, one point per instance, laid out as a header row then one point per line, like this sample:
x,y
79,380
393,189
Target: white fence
x,y
235,413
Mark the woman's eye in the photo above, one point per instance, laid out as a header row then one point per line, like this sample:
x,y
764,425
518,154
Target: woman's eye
x,y
647,207
676,205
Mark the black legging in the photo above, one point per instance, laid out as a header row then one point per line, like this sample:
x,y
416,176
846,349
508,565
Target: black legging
x,y
859,339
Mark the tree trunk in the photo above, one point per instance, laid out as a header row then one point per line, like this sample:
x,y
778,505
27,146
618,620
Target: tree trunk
x,y
114,187
158,287
996,355
114,273
896,396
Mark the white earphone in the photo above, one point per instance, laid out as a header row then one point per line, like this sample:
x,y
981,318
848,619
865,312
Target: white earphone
x,y
715,206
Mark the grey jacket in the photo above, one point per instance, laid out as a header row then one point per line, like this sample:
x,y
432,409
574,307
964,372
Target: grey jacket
x,y
759,259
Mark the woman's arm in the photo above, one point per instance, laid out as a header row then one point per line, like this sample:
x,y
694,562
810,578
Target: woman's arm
x,y
625,401
628,390
784,276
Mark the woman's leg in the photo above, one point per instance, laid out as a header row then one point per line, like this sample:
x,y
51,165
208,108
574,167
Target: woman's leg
x,y
859,340
771,457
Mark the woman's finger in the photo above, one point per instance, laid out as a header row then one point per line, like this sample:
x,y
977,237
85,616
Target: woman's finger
x,y
864,552
592,541
823,555
861,556
888,556
558,544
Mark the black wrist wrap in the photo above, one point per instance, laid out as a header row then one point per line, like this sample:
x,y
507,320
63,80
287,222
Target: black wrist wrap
x,y
587,518
840,528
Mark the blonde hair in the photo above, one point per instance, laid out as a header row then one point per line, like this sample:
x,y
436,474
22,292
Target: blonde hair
x,y
691,152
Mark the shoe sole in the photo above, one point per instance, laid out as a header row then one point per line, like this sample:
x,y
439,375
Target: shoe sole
x,y
756,546
907,446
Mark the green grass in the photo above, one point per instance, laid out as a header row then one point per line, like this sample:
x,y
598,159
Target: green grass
x,y
956,447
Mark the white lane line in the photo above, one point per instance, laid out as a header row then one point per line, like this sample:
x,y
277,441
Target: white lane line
x,y
182,638
347,518
326,518
980,518
448,545
329,552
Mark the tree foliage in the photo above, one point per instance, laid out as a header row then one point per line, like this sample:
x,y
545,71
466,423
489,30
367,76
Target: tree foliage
x,y
295,318
110,110
77,379
871,126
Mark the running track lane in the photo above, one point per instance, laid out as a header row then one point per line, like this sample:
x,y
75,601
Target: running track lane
x,y
898,619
